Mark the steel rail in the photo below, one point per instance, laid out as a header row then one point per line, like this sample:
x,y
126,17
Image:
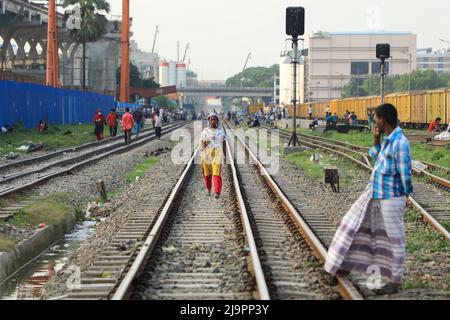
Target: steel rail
x,y
9,191
74,159
150,243
438,180
442,182
426,215
345,287
61,152
256,262
152,239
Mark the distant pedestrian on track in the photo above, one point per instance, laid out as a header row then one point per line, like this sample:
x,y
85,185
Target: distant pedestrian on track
x,y
327,111
100,123
213,144
127,125
112,123
138,117
310,112
347,117
158,125
353,118
371,236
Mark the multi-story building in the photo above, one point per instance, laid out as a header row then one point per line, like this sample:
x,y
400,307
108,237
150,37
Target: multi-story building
x,y
286,79
334,59
146,62
438,61
276,90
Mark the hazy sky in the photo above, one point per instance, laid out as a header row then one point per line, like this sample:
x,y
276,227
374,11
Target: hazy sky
x,y
222,32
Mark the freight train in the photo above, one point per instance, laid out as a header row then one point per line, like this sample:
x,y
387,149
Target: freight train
x,y
416,109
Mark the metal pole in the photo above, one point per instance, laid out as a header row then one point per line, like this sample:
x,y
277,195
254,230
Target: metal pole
x,y
410,70
125,67
294,138
50,44
382,81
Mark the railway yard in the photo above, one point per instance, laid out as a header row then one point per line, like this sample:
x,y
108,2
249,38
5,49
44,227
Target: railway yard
x,y
161,237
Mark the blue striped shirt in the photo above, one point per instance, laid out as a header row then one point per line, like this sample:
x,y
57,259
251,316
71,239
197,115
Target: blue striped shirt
x,y
391,177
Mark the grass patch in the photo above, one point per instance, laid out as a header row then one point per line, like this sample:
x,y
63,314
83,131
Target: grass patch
x,y
446,225
51,211
54,138
419,151
436,155
415,284
140,170
347,171
6,245
422,239
302,160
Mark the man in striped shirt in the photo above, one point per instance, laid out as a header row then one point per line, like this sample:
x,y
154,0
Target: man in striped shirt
x,y
392,172
391,180
371,237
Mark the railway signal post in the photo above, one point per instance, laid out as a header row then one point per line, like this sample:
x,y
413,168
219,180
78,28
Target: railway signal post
x,y
383,51
295,26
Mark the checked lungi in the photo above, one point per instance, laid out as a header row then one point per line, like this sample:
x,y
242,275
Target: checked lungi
x,y
370,235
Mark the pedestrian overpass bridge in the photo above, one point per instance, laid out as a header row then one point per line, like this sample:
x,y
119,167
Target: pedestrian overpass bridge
x,y
266,92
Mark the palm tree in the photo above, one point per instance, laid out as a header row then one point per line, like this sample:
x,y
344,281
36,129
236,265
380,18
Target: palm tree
x,y
93,24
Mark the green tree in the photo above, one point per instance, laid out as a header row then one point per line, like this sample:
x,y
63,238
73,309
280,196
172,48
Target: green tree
x,y
136,78
420,80
254,77
93,24
352,90
164,102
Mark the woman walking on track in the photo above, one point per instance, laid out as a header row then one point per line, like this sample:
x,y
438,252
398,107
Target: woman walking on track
x,y
100,123
213,143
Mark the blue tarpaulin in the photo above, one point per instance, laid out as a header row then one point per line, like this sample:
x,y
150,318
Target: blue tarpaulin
x,y
27,103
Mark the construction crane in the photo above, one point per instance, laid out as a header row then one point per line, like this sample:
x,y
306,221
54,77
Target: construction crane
x,y
246,62
154,39
185,52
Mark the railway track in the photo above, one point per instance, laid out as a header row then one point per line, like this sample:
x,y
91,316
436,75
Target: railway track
x,y
433,205
34,160
36,171
196,247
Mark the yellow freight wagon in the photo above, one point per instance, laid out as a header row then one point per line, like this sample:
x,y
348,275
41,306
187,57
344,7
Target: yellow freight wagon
x,y
334,106
254,109
447,93
303,110
341,109
413,108
436,105
418,107
392,99
360,108
403,106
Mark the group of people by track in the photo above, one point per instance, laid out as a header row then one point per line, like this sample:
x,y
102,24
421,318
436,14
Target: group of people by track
x,y
131,123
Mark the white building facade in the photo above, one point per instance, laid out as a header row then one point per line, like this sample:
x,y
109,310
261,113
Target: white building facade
x,y
286,79
146,62
438,61
334,59
172,73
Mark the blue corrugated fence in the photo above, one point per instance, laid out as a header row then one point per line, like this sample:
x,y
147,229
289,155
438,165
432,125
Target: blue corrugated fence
x,y
27,103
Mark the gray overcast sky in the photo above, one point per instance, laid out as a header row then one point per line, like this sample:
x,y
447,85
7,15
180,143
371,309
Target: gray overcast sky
x,y
222,32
